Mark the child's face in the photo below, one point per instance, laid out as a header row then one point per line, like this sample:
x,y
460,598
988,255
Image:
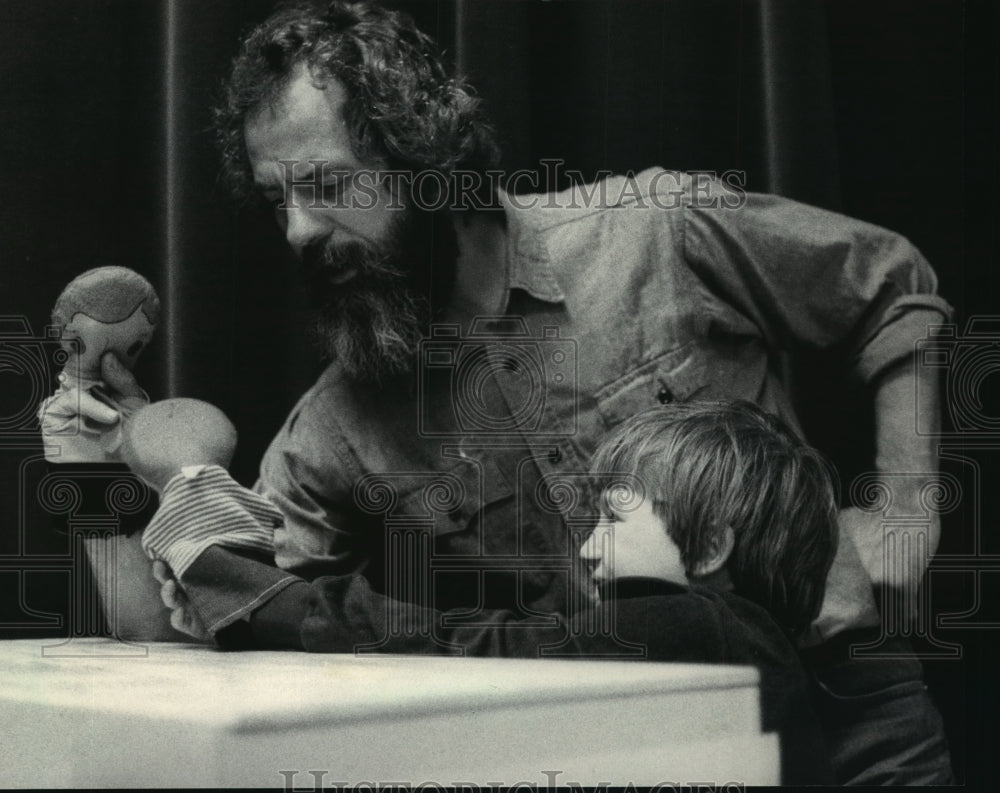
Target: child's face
x,y
633,544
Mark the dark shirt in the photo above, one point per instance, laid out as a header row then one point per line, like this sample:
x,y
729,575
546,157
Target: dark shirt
x,y
701,625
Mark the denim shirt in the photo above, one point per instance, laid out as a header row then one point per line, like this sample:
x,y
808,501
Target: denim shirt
x,y
461,488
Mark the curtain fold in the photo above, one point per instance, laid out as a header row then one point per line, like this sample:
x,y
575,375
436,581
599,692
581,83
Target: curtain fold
x,y
688,84
797,114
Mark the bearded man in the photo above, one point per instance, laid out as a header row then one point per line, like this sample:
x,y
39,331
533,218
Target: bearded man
x,y
478,355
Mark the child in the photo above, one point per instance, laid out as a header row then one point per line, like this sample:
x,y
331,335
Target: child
x,y
732,499
714,545
717,532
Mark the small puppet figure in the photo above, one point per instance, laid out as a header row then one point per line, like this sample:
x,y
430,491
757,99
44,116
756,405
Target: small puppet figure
x,y
108,309
181,448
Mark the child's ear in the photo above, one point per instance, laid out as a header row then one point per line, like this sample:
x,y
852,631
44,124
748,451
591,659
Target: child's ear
x,y
719,548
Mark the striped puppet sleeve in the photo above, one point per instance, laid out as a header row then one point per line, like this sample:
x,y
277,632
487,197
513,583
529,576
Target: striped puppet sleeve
x,y
204,506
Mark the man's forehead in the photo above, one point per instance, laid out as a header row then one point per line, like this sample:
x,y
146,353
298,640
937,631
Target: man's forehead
x,y
304,122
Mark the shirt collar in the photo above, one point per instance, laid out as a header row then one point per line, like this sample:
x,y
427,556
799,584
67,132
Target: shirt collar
x,y
528,264
624,588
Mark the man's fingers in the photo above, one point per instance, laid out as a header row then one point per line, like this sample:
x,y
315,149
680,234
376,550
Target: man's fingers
x,y
179,621
173,596
182,616
193,626
161,572
95,410
183,620
116,375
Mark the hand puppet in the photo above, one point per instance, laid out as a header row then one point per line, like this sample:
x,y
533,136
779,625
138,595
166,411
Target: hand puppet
x,y
108,309
181,448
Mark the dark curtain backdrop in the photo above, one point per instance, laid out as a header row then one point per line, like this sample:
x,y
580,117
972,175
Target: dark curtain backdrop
x,y
882,110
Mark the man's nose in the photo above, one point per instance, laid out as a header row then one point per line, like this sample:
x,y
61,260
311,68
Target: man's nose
x,y
304,226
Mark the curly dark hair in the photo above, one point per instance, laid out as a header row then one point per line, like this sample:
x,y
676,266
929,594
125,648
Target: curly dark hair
x,y
403,111
709,465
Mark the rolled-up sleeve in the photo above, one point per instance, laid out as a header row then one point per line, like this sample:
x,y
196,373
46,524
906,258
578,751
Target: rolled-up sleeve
x,y
806,276
305,475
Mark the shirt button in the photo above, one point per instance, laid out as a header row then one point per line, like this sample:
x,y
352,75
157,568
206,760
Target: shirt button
x,y
665,397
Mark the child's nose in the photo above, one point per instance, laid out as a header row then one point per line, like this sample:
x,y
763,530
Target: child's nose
x,y
593,549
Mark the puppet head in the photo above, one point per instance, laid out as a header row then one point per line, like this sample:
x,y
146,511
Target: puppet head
x,y
107,309
164,437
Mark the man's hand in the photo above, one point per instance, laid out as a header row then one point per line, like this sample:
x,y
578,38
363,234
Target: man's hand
x,y
895,555
81,422
182,615
122,382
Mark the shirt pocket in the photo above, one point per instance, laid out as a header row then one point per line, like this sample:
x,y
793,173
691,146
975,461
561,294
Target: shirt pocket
x,y
675,376
447,501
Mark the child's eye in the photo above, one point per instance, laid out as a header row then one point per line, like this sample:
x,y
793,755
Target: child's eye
x,y
606,510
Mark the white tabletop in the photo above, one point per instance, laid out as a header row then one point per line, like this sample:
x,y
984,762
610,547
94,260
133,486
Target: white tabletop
x,y
205,717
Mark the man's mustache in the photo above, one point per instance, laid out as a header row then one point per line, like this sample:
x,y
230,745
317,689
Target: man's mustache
x,y
333,266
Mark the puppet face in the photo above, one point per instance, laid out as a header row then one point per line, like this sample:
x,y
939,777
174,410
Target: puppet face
x,y
126,339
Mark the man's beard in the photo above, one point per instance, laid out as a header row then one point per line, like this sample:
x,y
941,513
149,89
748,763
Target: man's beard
x,y
372,322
